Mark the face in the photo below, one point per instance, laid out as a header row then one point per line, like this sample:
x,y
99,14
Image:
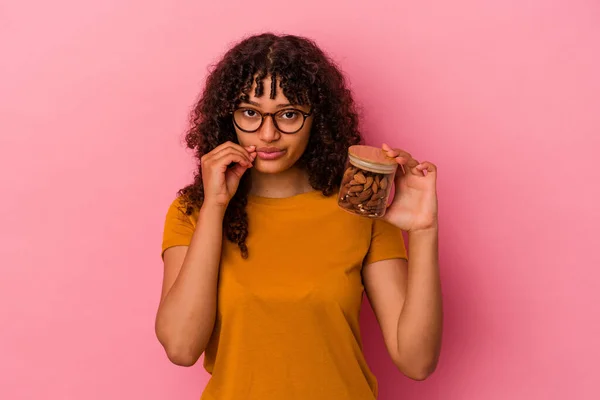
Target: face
x,y
277,151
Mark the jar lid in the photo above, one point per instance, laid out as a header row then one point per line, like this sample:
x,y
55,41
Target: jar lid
x,y
373,158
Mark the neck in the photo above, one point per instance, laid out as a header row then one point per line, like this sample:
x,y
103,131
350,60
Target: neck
x,y
289,183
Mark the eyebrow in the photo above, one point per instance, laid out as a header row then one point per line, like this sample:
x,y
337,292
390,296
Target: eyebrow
x,y
258,105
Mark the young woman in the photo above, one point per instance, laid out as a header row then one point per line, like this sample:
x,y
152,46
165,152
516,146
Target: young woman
x,y
263,273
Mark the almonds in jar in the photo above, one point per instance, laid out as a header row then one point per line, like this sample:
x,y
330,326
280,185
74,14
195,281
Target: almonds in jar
x,y
367,181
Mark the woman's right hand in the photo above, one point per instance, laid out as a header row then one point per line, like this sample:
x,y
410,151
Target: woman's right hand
x,y
222,169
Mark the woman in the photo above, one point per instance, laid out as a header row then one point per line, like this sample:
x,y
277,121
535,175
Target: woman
x,y
263,272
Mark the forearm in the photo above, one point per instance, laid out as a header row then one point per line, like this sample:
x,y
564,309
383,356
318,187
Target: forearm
x,y
186,316
420,322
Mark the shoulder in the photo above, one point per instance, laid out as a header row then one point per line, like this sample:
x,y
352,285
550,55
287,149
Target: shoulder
x,y
179,224
181,210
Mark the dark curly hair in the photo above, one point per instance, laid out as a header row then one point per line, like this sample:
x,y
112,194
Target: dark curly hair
x,y
307,77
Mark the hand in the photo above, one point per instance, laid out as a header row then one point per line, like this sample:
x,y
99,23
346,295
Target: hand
x,y
222,169
415,205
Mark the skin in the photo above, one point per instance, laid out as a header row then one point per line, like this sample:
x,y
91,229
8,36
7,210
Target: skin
x,y
405,296
281,177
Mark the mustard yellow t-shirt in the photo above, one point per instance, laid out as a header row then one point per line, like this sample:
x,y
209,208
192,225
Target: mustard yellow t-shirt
x,y
287,323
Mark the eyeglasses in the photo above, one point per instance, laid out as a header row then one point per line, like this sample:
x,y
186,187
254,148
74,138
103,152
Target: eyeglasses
x,y
289,120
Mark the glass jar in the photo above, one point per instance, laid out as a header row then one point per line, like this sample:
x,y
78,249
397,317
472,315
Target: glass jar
x,y
367,181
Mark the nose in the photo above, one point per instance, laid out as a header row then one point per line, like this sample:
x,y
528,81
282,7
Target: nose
x,y
267,132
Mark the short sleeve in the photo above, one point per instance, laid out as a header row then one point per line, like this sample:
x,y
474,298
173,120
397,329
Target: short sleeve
x,y
179,227
387,242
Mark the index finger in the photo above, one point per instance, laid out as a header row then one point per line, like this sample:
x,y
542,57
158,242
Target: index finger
x,y
227,145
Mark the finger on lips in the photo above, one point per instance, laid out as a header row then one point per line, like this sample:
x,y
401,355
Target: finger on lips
x,y
241,151
230,145
251,150
243,161
229,155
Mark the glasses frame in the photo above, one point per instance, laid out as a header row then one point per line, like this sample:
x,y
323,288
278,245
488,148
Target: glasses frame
x,y
305,115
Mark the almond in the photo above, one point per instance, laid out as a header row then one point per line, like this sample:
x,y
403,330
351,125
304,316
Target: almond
x,y
375,187
349,172
369,182
384,182
377,196
365,195
373,203
360,178
354,200
356,188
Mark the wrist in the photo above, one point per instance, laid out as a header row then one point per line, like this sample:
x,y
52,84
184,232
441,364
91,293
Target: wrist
x,y
429,231
213,209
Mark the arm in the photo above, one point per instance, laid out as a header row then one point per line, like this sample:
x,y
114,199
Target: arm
x,y
407,301
186,315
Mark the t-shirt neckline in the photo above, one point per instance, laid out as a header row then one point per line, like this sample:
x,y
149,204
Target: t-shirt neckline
x,y
296,199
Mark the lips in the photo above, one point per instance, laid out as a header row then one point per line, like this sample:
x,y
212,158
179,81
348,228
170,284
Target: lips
x,y
269,150
270,153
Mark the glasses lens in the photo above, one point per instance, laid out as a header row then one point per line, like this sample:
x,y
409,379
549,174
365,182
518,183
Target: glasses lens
x,y
289,120
247,119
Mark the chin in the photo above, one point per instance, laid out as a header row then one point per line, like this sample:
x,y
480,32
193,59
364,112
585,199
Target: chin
x,y
270,167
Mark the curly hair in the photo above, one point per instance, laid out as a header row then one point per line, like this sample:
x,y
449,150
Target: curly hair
x,y
307,76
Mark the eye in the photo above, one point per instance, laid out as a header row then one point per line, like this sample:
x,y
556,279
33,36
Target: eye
x,y
250,113
290,114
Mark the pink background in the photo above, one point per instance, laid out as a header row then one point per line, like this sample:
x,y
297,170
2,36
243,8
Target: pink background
x,y
503,95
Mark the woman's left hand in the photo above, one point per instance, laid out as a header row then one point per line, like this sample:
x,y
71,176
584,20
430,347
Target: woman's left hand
x,y
414,207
